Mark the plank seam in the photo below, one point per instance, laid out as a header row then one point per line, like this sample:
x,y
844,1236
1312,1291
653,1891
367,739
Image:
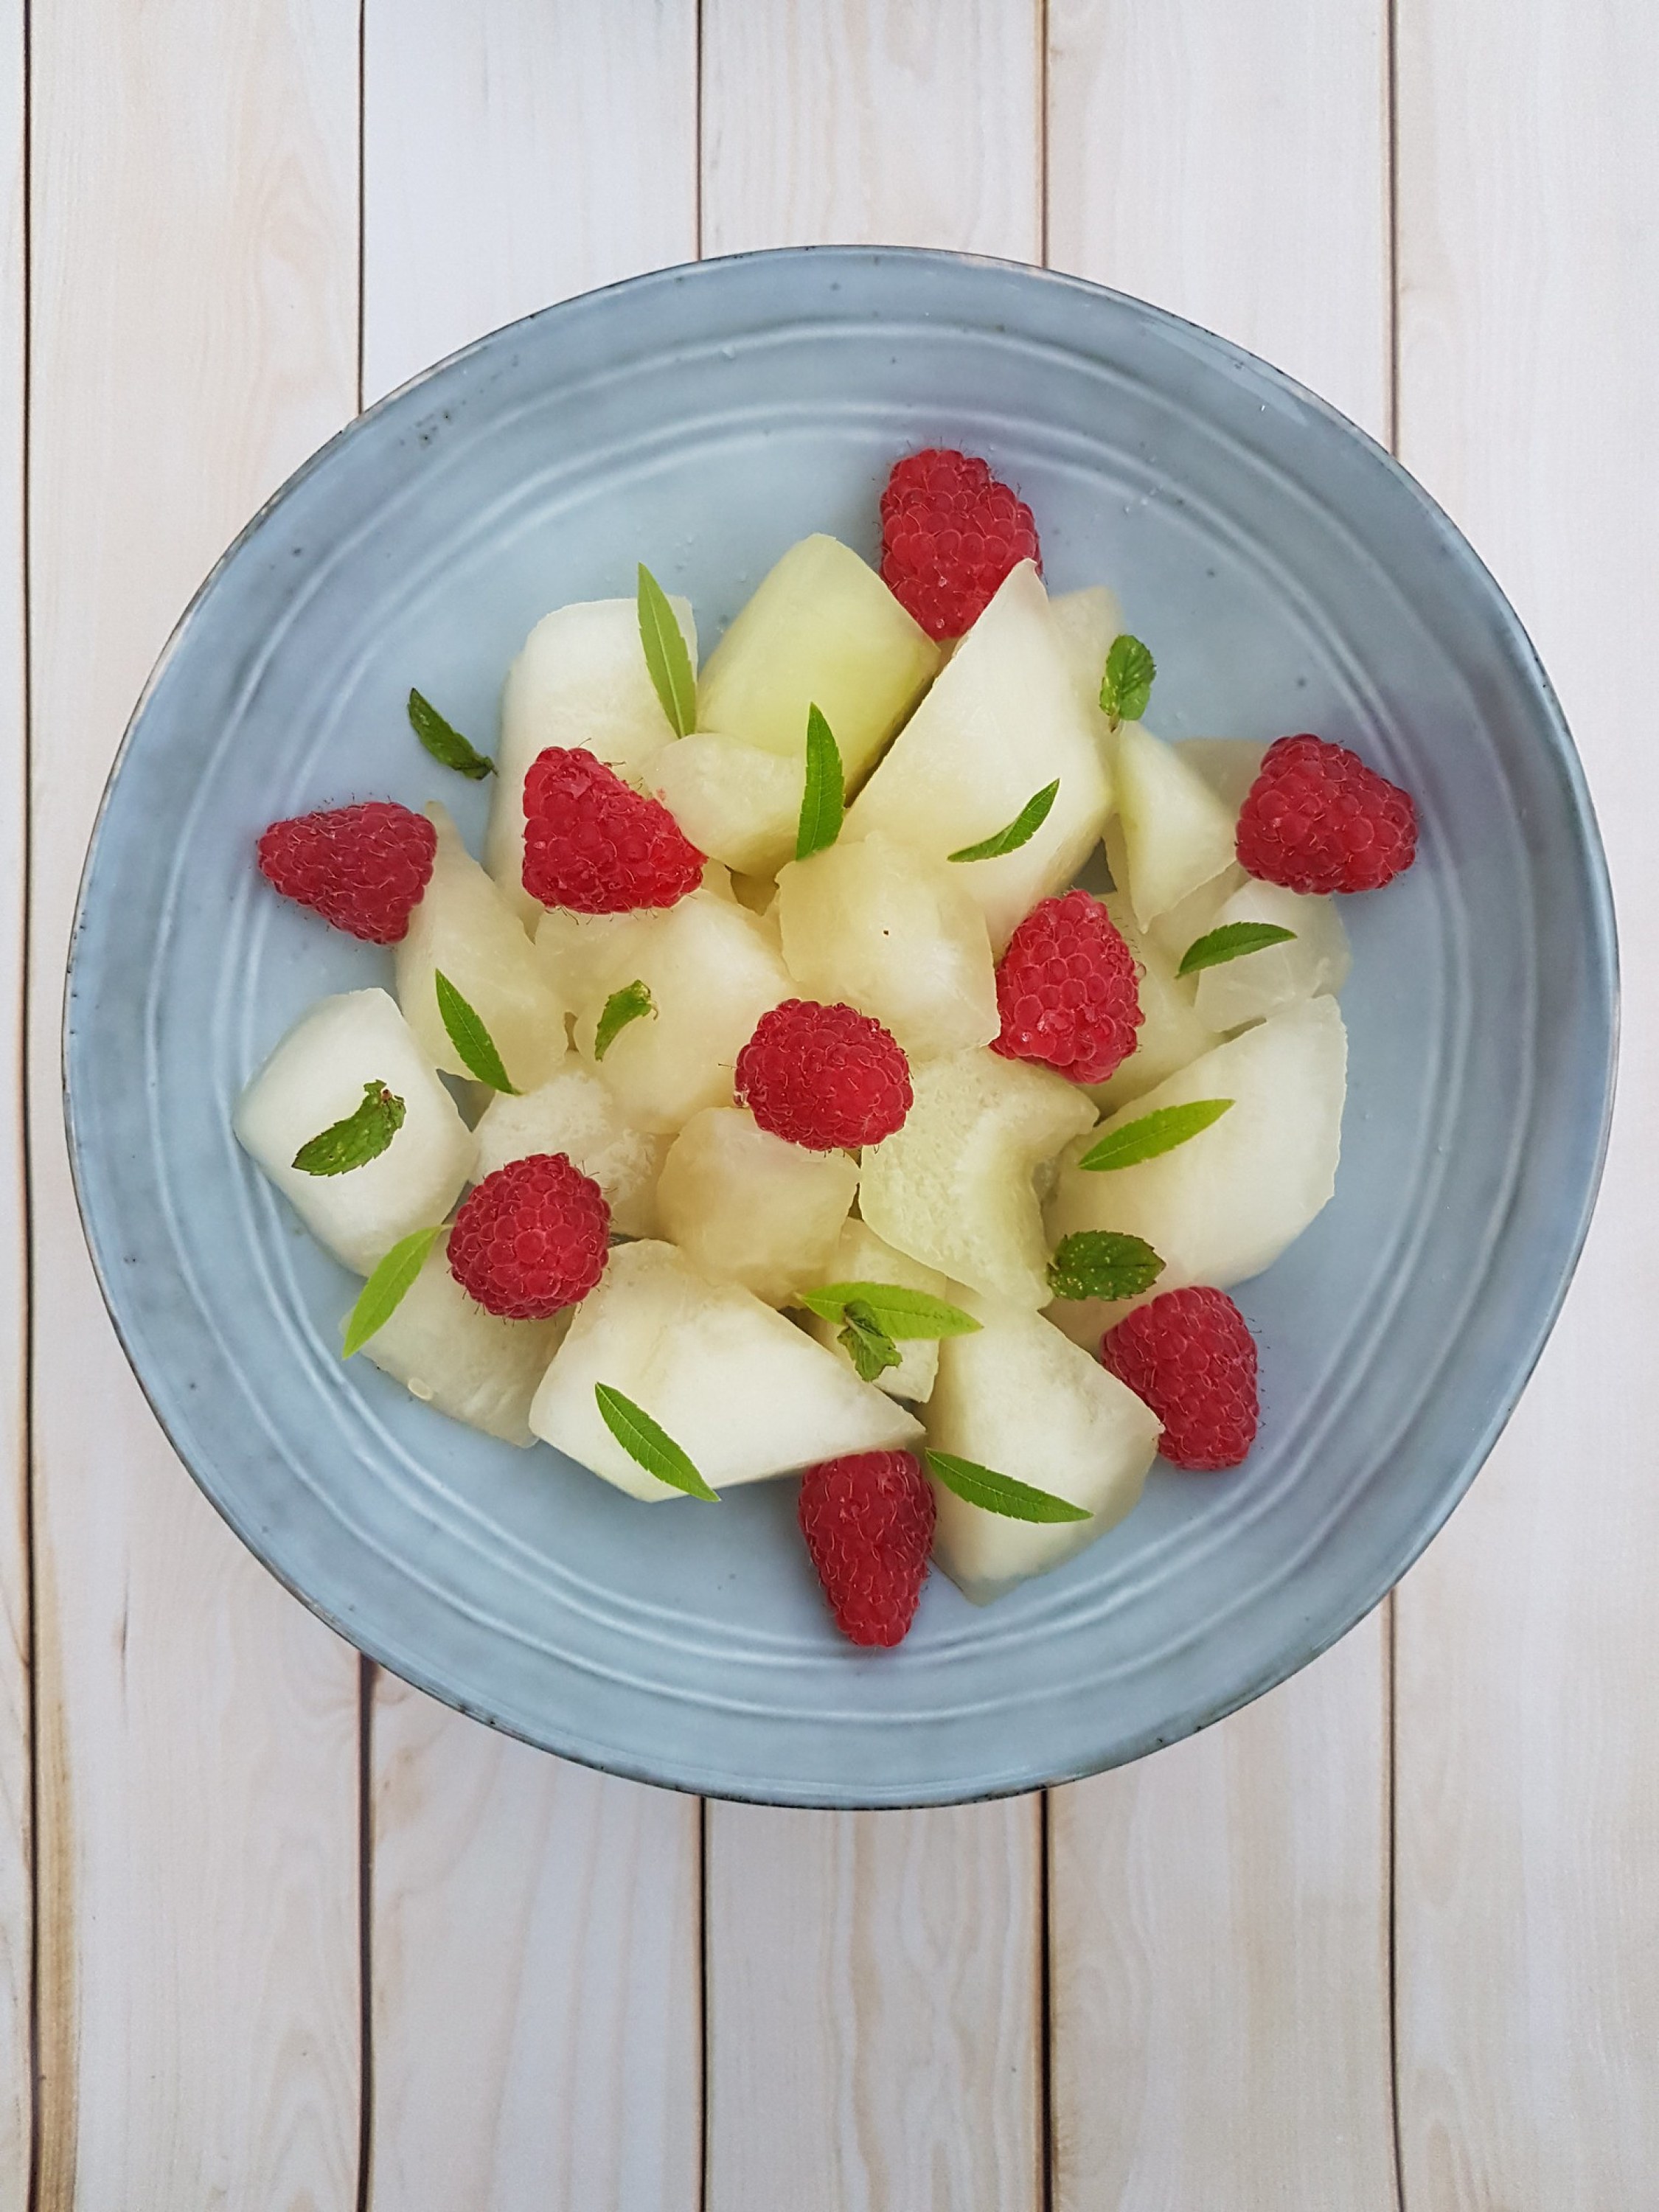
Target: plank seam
x,y
365,1932
26,1407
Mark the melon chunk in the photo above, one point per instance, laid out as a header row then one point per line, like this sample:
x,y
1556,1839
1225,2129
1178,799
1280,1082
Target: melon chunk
x,y
1177,834
742,1204
1315,960
823,630
1019,1397
737,801
1221,1207
1171,1030
742,1390
1088,621
860,1256
1229,765
450,1353
953,1187
315,1077
1003,719
880,927
467,927
574,1113
580,681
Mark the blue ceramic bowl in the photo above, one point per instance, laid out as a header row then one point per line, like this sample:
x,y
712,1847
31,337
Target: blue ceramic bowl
x,y
1289,576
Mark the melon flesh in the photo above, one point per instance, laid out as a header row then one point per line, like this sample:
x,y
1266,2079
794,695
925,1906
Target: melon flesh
x,y
1177,834
743,1391
1019,1398
744,1205
1088,621
1171,1032
1229,765
1003,719
449,1352
574,1113
316,1078
737,801
860,1256
1315,960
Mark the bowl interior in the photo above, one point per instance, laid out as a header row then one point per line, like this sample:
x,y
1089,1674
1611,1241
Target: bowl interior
x,y
1287,576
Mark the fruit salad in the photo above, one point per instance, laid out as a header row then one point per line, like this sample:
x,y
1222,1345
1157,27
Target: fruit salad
x,y
771,1099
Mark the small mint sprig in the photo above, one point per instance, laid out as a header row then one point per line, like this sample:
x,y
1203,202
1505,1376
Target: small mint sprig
x,y
865,1342
1020,831
474,1046
667,657
1126,684
648,1445
823,796
1001,1494
384,1291
902,1313
631,1004
445,743
1103,1263
1230,942
362,1136
1150,1135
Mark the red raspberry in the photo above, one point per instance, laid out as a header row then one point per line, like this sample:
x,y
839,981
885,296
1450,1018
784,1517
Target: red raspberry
x,y
363,868
1191,1358
592,844
1317,819
1069,991
824,1077
531,1238
868,1522
950,533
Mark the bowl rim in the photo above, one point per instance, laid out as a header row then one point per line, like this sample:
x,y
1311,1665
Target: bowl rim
x,y
1602,949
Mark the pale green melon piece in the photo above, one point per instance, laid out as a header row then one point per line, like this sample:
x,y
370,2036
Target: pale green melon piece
x,y
744,1205
1088,621
1177,834
1171,1030
1229,765
447,1352
574,1113
737,801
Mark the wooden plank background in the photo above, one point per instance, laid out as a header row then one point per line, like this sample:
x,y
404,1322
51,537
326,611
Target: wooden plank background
x,y
277,1933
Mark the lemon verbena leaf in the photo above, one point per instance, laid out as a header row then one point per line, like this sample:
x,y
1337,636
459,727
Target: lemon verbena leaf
x,y
474,1046
666,656
1230,942
383,1292
1001,1493
900,1313
1020,831
445,743
628,1004
1149,1134
648,1445
825,794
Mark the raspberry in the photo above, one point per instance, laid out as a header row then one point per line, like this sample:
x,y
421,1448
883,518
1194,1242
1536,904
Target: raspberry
x,y
363,868
950,533
1067,990
531,1238
1191,1357
595,846
1317,819
824,1077
868,1522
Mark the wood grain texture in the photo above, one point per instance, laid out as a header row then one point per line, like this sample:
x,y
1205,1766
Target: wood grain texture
x,y
874,2008
194,337
1218,1914
16,1841
1529,1701
538,2006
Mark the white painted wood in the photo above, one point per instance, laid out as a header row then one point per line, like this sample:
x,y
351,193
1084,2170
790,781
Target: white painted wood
x,y
15,1910
537,2010
517,151
1528,1694
1218,1914
874,2021
194,289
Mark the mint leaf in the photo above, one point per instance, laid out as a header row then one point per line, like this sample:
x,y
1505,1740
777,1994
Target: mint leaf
x,y
1020,831
1001,1494
474,1046
1230,942
383,1292
362,1136
445,743
667,657
866,1343
1128,683
627,1005
899,1313
652,1448
1103,1263
825,792
1160,1131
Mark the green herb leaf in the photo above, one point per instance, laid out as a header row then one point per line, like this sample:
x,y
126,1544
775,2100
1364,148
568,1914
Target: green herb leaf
x,y
445,743
474,1046
1001,1493
825,792
1128,683
1160,1131
1230,942
1103,1263
866,1343
383,1292
651,1446
667,657
627,1005
900,1313
1020,831
362,1136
